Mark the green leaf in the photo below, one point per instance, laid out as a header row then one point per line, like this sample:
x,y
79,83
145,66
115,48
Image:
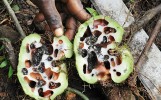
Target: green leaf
x,y
2,47
92,11
1,58
15,8
10,72
3,64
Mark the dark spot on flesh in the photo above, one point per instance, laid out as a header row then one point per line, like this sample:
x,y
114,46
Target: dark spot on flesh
x,y
32,46
41,83
56,52
84,53
53,85
111,38
24,71
91,40
92,60
112,52
96,48
104,39
114,70
56,63
92,75
86,34
107,64
112,62
49,49
32,84
97,33
84,68
50,58
60,41
40,91
106,57
41,68
35,69
37,56
101,22
118,73
104,45
118,60
27,48
108,30
27,63
53,64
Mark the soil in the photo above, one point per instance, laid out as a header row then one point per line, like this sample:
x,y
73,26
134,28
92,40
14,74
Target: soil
x,y
10,88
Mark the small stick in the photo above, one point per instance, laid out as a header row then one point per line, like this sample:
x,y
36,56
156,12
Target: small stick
x,y
138,24
149,43
84,97
11,12
10,52
141,60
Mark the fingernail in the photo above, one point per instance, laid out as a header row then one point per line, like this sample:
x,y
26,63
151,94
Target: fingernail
x,y
58,32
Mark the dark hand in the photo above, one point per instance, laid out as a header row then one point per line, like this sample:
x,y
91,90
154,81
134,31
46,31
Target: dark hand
x,y
50,10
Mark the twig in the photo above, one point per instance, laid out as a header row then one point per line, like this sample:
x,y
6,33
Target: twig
x,y
10,52
11,12
84,97
138,24
141,60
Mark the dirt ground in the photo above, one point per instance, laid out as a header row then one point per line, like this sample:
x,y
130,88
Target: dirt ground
x,y
10,88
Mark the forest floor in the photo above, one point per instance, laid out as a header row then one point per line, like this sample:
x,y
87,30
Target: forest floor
x,y
10,88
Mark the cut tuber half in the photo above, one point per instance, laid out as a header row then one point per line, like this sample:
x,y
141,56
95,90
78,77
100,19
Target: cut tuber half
x,y
98,58
41,72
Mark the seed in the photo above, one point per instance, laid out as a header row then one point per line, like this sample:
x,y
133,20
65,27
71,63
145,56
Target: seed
x,y
118,60
118,73
106,57
101,22
32,84
97,48
56,52
107,64
112,62
53,64
104,39
37,56
49,58
84,53
111,38
40,83
97,33
92,60
41,68
32,46
27,63
48,49
84,68
40,91
91,40
53,85
24,71
108,30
